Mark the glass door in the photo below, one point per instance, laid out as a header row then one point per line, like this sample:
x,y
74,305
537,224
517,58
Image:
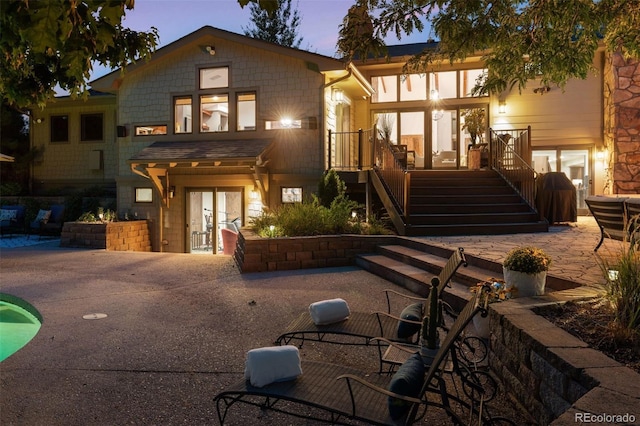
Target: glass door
x,y
214,217
444,139
575,165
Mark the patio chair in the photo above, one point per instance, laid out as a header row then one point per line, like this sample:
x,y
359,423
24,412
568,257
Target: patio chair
x,y
361,327
48,222
338,394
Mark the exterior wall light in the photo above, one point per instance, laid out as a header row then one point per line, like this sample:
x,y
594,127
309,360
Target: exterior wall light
x,y
39,120
502,107
211,50
338,96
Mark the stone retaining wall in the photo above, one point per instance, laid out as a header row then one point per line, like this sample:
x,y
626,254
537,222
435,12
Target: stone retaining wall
x,y
552,374
257,254
116,236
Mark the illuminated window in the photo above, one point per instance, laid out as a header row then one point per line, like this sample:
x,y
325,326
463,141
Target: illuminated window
x,y
59,128
160,129
443,85
214,113
292,195
468,79
284,123
386,88
91,127
246,111
183,114
214,78
413,87
144,195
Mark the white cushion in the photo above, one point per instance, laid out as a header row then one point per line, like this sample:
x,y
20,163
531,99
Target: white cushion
x,y
7,214
43,215
329,311
272,364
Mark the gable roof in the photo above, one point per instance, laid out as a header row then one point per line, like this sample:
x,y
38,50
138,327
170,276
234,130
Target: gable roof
x,y
314,60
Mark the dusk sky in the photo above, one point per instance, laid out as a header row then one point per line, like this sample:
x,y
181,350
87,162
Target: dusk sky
x,y
176,18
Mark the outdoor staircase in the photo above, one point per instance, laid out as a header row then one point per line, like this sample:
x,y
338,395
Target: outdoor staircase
x,y
473,202
412,263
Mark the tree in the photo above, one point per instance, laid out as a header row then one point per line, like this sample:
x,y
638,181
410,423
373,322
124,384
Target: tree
x,y
551,41
14,141
49,43
278,26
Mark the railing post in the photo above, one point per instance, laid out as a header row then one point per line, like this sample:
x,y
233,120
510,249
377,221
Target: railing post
x,y
329,152
407,196
360,147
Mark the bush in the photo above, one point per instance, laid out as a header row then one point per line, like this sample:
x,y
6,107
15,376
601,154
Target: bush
x,y
330,188
622,274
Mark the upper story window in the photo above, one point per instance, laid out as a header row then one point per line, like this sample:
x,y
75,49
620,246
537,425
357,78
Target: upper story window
x,y
91,127
413,87
443,85
183,115
214,113
160,129
468,79
59,128
246,111
214,78
386,88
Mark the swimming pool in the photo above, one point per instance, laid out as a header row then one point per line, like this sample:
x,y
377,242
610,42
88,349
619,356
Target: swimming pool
x,y
19,323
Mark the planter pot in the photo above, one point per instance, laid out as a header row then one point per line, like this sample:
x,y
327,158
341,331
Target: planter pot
x,y
526,284
474,158
481,325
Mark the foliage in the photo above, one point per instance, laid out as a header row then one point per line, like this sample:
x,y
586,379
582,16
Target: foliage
x,y
14,141
107,216
498,290
520,41
529,260
330,188
278,26
50,43
474,123
621,271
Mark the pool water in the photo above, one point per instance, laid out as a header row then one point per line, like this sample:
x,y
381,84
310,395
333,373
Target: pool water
x,y
19,323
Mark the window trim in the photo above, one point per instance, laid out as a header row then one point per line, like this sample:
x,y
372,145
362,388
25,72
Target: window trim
x,y
83,137
143,195
51,121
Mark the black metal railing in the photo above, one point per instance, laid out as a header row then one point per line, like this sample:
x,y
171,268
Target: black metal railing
x,y
510,156
350,150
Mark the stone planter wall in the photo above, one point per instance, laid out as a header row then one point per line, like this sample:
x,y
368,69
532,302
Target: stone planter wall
x,y
257,254
116,236
552,374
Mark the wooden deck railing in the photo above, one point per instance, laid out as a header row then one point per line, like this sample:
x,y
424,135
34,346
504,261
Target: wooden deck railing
x,y
510,156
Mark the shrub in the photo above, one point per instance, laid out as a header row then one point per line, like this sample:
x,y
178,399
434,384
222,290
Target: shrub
x,y
330,188
529,260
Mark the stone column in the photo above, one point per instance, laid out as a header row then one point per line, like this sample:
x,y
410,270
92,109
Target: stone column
x,y
622,124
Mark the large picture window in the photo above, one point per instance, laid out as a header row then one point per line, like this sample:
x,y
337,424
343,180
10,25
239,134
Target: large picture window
x,y
183,114
214,113
214,78
91,127
386,88
413,87
59,128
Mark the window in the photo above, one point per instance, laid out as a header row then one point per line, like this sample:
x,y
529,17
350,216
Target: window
x,y
468,79
386,125
443,85
91,127
246,107
182,112
59,128
160,129
214,111
284,123
292,195
413,87
386,88
144,195
214,78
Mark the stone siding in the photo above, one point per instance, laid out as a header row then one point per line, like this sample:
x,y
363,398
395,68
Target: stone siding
x,y
622,124
116,236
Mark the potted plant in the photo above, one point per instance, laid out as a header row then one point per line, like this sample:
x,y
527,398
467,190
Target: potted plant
x,y
429,336
525,268
474,123
498,291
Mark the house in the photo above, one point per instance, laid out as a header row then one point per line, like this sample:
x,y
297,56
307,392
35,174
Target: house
x,y
217,126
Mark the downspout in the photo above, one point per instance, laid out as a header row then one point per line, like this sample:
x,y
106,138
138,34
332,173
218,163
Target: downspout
x,y
322,110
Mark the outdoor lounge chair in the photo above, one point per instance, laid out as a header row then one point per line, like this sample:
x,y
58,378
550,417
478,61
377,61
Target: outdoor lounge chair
x,y
361,327
338,394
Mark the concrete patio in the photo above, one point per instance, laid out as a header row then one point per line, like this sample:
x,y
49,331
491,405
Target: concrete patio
x,y
177,328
